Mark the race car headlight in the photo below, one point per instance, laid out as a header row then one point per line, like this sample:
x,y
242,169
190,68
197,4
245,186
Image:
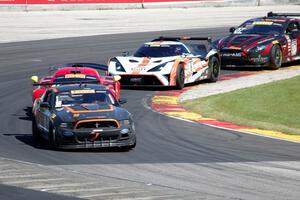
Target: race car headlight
x,y
157,68
257,49
118,65
125,122
66,125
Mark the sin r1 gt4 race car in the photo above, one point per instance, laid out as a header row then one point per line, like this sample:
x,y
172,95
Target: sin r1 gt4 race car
x,y
168,61
76,72
82,116
262,42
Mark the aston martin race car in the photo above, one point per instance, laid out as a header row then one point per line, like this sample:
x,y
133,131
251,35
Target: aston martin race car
x,y
82,116
76,72
168,61
262,42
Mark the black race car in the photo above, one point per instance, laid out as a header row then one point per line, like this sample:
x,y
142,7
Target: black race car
x,y
82,116
262,42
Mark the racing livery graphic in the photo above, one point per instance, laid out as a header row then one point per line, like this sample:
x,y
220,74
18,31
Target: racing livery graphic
x,y
82,116
263,42
168,61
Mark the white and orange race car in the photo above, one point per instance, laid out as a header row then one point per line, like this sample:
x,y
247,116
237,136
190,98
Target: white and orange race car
x,y
168,61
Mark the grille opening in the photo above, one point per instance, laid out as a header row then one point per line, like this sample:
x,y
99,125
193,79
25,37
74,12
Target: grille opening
x,y
97,124
104,138
140,80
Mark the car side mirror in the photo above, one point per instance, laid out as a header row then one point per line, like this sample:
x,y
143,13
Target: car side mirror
x,y
34,79
45,105
125,53
122,101
232,29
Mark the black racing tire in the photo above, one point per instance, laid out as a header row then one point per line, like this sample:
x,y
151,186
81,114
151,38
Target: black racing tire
x,y
129,147
275,57
36,134
214,69
52,139
180,77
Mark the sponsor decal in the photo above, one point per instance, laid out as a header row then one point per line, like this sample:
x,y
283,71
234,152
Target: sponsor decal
x,y
82,91
138,68
262,23
275,20
136,80
225,54
259,59
75,76
154,45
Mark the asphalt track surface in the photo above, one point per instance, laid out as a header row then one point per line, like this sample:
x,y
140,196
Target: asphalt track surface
x,y
197,161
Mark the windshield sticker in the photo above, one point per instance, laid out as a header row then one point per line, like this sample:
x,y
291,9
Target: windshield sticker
x,y
262,23
275,20
75,76
82,91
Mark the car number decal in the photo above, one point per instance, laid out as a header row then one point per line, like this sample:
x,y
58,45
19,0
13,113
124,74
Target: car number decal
x,y
294,47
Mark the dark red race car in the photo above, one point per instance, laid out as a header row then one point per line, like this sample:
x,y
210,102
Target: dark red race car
x,y
262,42
76,73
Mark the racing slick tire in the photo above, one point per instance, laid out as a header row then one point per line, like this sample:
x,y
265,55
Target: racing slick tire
x,y
180,77
129,147
214,69
275,57
52,138
36,135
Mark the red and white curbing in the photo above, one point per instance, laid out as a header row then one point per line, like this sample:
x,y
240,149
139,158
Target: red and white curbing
x,y
166,102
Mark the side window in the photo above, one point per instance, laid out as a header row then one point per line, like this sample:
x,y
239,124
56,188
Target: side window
x,y
292,27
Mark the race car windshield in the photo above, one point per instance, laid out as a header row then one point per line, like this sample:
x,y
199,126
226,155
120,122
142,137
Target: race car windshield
x,y
160,51
66,79
264,29
78,98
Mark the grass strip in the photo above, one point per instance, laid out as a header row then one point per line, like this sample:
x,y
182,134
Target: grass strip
x,y
274,106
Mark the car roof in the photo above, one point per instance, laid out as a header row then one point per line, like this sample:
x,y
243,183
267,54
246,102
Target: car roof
x,y
69,87
164,43
276,19
77,70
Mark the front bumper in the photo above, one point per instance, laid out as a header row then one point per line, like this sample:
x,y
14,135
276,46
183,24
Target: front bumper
x,y
88,138
145,80
239,59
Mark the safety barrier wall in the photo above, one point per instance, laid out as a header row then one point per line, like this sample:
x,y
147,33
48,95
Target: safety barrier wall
x,y
113,2
99,1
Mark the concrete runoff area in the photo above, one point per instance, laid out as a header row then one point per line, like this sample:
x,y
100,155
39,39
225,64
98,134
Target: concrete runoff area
x,y
41,25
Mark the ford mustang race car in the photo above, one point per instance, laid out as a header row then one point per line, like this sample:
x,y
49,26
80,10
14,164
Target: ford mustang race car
x,y
76,72
263,42
168,61
82,116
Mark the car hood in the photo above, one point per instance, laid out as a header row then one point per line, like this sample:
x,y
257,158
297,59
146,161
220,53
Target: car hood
x,y
243,41
91,111
143,64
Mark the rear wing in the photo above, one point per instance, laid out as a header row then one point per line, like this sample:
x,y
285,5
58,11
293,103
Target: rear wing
x,y
68,83
161,38
271,14
102,69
